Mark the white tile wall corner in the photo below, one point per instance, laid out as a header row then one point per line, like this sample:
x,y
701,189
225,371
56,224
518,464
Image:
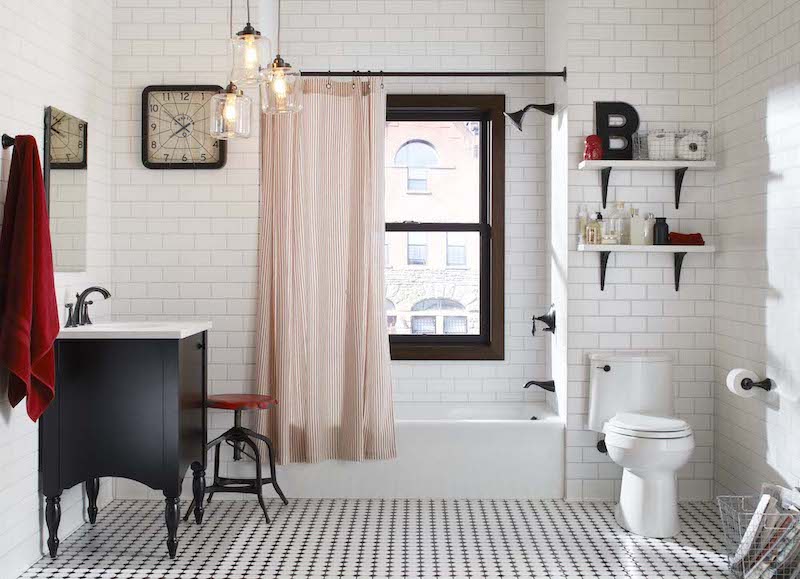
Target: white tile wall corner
x,y
757,214
66,63
657,56
184,242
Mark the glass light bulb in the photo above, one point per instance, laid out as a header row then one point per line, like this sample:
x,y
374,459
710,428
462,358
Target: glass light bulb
x,y
279,86
250,50
229,112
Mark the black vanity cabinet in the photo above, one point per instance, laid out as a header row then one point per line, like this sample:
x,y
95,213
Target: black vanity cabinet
x,y
130,408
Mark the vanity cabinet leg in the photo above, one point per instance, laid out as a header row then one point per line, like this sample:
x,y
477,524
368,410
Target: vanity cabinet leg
x,y
92,490
198,490
171,516
52,516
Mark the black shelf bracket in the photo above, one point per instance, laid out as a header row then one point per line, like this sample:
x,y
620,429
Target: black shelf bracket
x,y
678,265
679,173
603,264
605,175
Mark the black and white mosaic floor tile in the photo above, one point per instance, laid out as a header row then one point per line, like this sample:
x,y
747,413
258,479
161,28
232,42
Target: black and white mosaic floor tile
x,y
332,538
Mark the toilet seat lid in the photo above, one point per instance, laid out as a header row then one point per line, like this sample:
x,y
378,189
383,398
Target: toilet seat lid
x,y
649,426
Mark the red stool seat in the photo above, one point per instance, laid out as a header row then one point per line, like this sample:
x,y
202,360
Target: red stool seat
x,y
241,401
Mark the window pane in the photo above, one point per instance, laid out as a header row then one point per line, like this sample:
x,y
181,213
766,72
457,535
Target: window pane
x,y
456,249
423,325
441,158
417,248
432,290
455,325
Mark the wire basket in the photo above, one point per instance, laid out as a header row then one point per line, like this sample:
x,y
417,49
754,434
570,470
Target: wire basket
x,y
762,535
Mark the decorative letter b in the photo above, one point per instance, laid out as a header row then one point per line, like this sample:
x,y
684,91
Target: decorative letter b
x,y
616,123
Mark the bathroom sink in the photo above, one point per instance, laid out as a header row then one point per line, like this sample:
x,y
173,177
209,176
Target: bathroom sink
x,y
167,330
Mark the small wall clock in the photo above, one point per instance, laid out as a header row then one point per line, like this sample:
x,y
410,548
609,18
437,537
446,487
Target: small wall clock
x,y
66,139
175,128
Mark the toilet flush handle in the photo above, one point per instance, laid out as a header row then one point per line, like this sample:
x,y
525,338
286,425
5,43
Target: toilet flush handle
x,y
605,368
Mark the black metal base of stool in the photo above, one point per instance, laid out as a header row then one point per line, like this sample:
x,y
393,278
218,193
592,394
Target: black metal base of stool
x,y
239,437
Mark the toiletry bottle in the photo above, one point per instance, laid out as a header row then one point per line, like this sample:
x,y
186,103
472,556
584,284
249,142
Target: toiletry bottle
x,y
661,232
593,230
621,223
583,221
610,236
637,226
649,223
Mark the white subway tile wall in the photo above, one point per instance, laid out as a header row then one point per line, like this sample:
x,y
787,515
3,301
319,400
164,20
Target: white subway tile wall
x,y
757,214
184,242
656,55
55,53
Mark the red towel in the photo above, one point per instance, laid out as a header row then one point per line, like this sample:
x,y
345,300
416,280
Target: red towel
x,y
676,238
28,310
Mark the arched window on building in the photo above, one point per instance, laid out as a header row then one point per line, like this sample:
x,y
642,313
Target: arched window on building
x,y
417,156
438,310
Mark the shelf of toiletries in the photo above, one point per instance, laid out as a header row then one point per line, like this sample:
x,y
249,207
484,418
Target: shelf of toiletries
x,y
679,166
625,230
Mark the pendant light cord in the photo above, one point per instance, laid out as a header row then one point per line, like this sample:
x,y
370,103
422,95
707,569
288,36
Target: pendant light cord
x,y
278,35
230,24
248,11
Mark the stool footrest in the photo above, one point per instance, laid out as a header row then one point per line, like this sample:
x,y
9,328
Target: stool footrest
x,y
241,481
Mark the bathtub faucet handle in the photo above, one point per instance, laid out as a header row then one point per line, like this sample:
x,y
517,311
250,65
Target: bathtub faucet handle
x,y
548,319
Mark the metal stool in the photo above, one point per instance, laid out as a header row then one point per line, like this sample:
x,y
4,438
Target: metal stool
x,y
238,437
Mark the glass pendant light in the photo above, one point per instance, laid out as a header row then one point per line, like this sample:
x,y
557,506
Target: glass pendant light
x,y
249,50
230,114
230,110
281,87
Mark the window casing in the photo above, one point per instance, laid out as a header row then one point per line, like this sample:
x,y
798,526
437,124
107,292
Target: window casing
x,y
443,335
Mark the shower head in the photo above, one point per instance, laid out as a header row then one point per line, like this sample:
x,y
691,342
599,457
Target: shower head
x,y
516,118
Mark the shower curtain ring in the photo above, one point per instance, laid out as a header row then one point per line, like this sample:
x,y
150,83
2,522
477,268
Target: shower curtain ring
x,y
381,75
328,84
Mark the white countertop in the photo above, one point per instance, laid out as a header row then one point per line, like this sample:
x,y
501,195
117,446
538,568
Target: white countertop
x,y
168,330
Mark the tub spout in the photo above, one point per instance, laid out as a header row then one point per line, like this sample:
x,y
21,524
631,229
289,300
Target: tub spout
x,y
549,385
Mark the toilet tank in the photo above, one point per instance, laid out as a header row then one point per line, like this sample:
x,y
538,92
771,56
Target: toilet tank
x,y
629,382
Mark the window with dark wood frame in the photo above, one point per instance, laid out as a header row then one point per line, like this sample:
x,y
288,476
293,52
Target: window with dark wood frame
x,y
488,111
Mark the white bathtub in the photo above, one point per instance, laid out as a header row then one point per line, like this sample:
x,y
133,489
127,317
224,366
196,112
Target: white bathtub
x,y
448,450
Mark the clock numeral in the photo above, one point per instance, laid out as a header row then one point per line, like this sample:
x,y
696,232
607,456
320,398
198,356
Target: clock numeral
x,y
184,159
152,144
184,96
216,144
166,156
203,157
153,126
154,108
165,96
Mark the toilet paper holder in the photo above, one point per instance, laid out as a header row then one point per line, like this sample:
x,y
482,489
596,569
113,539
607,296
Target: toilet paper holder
x,y
765,384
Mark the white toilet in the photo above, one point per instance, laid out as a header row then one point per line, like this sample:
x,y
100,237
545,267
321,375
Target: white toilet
x,y
631,401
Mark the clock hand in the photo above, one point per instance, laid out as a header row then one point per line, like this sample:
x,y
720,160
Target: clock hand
x,y
55,130
182,128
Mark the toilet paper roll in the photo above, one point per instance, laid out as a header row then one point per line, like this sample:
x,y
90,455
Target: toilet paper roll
x,y
734,382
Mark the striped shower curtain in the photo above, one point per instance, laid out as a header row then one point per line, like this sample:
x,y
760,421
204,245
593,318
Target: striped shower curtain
x,y
321,341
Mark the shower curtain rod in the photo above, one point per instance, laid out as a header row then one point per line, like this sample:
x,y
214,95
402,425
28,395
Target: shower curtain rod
x,y
436,73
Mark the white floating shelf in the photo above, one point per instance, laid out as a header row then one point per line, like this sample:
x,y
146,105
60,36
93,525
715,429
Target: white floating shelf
x,y
680,168
645,165
648,248
678,252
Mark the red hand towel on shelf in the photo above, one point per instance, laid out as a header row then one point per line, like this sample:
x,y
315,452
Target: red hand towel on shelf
x,y
686,239
28,310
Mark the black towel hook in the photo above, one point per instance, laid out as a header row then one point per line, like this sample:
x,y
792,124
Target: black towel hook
x,y
8,141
